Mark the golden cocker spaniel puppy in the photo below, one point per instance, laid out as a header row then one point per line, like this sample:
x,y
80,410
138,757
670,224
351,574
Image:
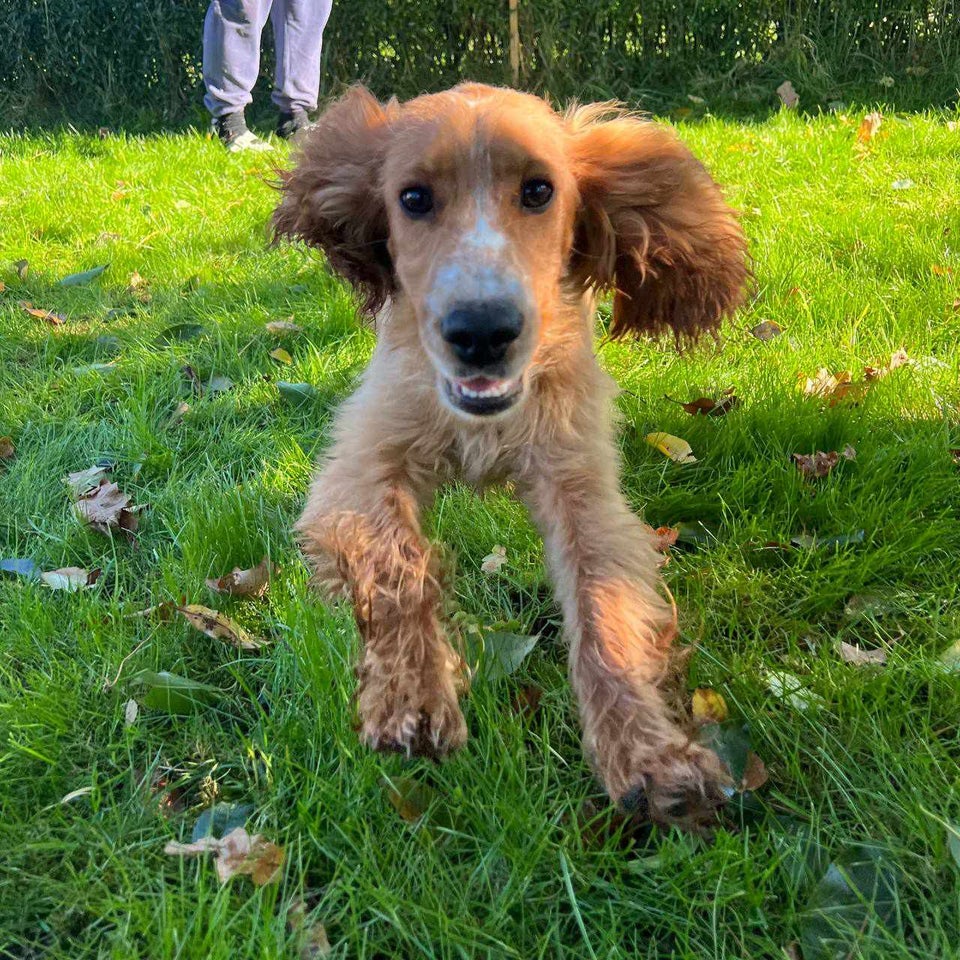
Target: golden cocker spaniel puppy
x,y
477,225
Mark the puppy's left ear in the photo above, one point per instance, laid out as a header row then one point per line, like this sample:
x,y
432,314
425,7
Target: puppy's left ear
x,y
654,227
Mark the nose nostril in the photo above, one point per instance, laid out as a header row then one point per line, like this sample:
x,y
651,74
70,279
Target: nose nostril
x,y
480,332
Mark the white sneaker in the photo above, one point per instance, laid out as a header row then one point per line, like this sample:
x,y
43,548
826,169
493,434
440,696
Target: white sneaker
x,y
232,132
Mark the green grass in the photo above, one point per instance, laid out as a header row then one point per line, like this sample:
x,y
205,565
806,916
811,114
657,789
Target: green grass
x,y
843,263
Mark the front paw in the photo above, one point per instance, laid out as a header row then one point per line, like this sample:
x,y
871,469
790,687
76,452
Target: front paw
x,y
649,767
681,786
415,713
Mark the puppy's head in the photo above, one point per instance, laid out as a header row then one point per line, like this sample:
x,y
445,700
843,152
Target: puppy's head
x,y
487,210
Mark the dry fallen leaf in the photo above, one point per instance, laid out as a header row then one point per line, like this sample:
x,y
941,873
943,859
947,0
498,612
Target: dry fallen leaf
x,y
243,583
708,706
767,330
84,480
22,267
754,774
898,358
55,319
526,701
281,355
939,271
494,560
220,627
833,387
788,96
869,126
677,449
8,449
312,941
139,288
236,853
816,465
283,326
71,579
105,508
859,656
707,407
131,710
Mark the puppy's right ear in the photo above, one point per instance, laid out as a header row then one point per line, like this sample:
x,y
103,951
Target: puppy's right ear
x,y
332,198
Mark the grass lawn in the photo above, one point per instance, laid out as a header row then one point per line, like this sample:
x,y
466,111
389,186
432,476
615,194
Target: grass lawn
x,y
857,255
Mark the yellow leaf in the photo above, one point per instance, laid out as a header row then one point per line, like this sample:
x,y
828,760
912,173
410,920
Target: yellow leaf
x,y
673,447
281,355
708,706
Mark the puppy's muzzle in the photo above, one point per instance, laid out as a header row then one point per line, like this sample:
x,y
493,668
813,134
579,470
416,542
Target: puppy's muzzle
x,y
479,334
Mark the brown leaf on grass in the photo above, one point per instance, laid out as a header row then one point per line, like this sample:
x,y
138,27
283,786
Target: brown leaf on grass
x,y
281,355
237,853
813,466
754,774
105,509
956,305
220,627
8,449
71,579
708,706
707,407
869,126
312,941
788,96
850,653
526,701
3,286
84,480
283,326
766,330
243,583
939,271
55,319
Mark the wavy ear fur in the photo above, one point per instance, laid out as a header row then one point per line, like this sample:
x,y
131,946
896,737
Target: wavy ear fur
x,y
331,197
653,226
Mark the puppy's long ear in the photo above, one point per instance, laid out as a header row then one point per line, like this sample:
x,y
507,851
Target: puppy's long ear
x,y
332,199
653,226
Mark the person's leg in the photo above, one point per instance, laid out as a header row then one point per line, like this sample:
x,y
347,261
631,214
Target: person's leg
x,y
231,53
231,65
298,30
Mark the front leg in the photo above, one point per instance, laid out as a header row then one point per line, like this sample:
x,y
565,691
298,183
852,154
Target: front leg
x,y
360,530
620,629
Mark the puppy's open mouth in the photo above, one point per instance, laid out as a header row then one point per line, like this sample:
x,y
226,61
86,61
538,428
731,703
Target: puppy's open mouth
x,y
481,396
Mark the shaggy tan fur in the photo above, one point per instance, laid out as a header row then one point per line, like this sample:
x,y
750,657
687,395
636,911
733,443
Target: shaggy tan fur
x,y
633,211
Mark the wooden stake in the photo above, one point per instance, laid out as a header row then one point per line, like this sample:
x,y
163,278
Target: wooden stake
x,y
514,43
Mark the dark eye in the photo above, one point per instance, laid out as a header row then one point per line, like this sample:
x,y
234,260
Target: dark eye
x,y
417,201
536,193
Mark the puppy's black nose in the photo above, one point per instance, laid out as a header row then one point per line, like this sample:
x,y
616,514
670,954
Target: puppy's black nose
x,y
481,330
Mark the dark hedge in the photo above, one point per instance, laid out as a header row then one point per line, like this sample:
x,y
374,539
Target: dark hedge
x,y
137,61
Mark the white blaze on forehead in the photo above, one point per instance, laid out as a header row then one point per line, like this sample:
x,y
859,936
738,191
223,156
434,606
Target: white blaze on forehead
x,y
476,268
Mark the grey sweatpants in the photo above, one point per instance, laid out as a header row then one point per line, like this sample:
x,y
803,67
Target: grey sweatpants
x,y
231,52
